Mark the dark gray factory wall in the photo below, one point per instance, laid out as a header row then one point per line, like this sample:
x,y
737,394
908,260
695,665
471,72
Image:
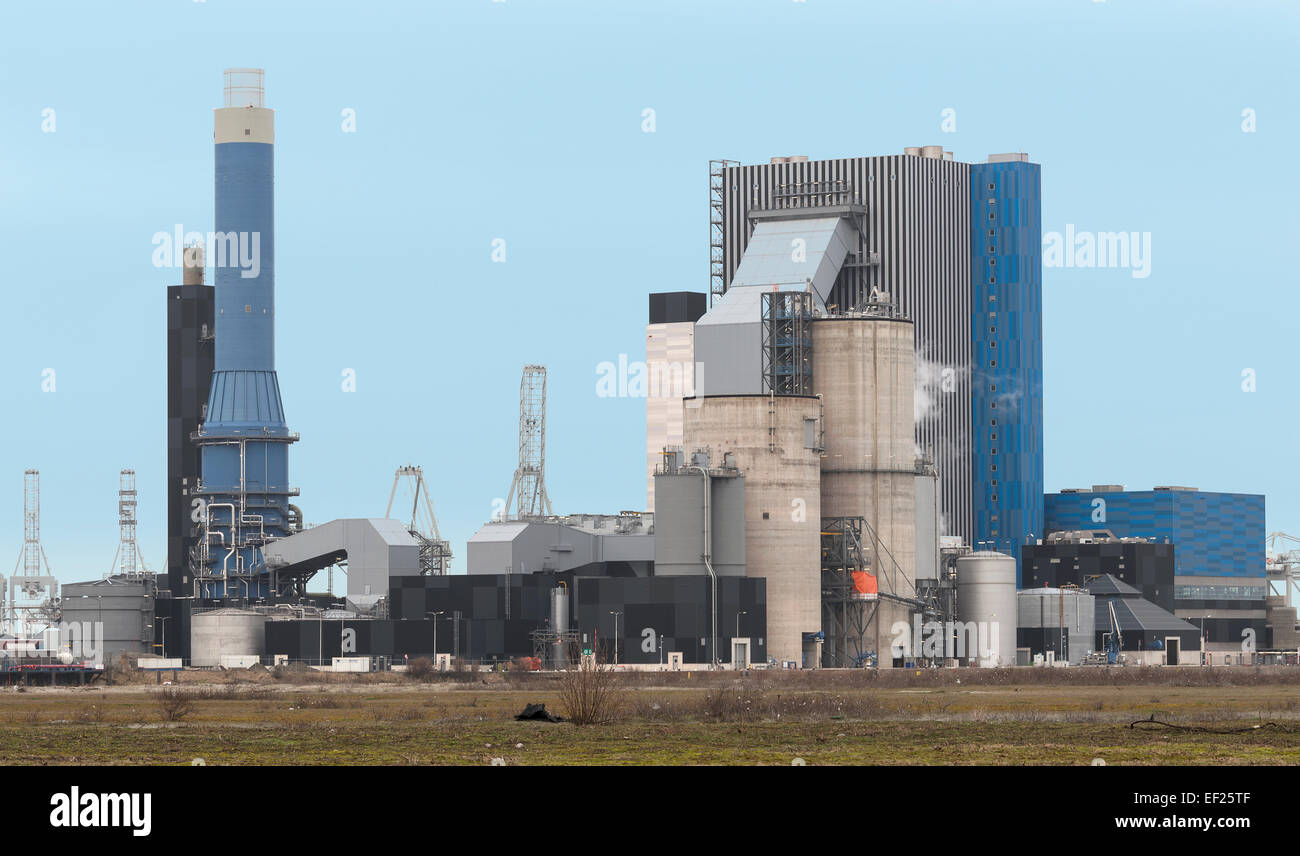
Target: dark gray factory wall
x,y
668,612
665,614
479,596
1149,568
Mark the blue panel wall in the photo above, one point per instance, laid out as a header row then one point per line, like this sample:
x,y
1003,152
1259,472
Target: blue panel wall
x,y
245,205
1219,534
244,407
1006,355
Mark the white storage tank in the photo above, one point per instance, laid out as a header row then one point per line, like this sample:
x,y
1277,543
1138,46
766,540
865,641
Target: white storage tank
x,y
224,633
986,606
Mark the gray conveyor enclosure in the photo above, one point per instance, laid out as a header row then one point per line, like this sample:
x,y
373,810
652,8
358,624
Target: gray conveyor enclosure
x,y
376,550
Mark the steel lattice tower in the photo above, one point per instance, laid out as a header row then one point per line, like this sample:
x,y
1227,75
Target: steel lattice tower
x,y
128,561
32,551
530,478
37,590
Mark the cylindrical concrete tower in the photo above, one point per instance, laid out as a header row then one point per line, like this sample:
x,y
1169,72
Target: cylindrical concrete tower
x,y
774,440
244,437
864,370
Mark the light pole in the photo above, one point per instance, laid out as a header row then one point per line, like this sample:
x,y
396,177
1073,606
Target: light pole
x,y
739,613
616,615
435,636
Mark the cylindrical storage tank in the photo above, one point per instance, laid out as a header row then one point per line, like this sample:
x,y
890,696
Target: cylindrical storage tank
x,y
986,607
914,151
226,632
1044,611
559,623
932,152
122,610
774,443
560,609
864,370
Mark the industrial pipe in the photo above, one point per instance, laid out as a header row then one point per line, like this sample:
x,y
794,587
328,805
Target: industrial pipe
x,y
708,563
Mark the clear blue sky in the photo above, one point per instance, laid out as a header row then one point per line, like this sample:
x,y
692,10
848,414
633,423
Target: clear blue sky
x,y
522,120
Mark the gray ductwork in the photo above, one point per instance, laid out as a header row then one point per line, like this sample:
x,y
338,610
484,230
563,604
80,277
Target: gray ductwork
x,y
376,549
796,251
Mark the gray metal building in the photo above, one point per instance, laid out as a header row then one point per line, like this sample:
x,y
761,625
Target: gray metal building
x,y
600,544
914,244
682,536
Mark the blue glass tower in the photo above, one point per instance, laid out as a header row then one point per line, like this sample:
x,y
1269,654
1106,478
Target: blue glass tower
x,y
244,440
1006,353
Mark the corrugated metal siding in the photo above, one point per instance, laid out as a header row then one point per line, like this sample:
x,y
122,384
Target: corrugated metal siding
x,y
918,220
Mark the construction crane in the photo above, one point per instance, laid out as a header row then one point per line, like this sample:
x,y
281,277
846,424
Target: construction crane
x,y
435,553
1114,640
1283,565
529,483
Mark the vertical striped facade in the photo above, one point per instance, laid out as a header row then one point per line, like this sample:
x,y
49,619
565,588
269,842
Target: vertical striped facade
x,y
918,249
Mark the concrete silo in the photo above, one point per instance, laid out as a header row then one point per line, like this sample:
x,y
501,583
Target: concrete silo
x,y
774,440
864,371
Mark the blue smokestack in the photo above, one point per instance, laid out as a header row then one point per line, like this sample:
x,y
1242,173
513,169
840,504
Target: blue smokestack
x,y
244,439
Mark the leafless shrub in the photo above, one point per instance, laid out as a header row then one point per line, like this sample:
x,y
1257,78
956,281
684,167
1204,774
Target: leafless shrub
x,y
421,669
238,692
590,692
175,704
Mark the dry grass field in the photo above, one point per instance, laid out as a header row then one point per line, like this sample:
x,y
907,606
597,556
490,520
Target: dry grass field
x,y
1008,716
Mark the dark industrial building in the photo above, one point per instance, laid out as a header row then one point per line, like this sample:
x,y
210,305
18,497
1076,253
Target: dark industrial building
x,y
1143,625
1071,558
671,307
491,618
189,376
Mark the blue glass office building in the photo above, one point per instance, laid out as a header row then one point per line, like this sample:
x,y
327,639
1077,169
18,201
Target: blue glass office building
x,y
1006,353
1214,534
